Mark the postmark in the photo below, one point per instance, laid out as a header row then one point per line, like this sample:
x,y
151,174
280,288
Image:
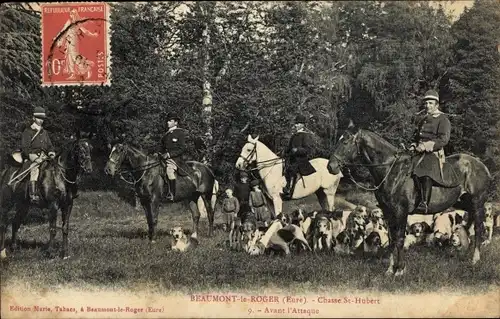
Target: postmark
x,y
76,46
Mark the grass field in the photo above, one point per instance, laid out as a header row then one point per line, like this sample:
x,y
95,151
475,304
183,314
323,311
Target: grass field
x,y
109,248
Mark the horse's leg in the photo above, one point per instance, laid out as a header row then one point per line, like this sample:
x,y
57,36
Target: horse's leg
x,y
330,194
322,199
400,240
210,215
278,204
3,229
195,214
155,209
478,209
16,224
146,204
392,245
52,229
65,214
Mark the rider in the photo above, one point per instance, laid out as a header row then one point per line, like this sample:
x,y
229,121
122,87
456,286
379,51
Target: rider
x,y
297,155
173,148
433,133
35,146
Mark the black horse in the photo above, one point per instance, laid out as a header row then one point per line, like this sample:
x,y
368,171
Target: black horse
x,y
57,184
396,192
147,172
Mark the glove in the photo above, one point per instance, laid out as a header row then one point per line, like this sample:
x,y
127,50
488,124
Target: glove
x,y
166,156
420,148
294,150
52,154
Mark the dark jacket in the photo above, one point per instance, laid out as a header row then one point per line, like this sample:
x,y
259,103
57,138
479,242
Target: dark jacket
x,y
40,143
174,143
305,146
436,129
433,128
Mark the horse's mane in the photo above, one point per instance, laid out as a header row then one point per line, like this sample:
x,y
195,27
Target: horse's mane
x,y
136,150
66,148
380,139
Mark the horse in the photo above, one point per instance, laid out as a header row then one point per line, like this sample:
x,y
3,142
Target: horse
x,y
270,167
147,172
57,186
396,193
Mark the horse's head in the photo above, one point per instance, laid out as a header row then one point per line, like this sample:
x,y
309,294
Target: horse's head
x,y
84,155
115,159
248,153
345,150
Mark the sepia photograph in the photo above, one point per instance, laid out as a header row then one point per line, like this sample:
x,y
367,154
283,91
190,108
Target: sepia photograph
x,y
250,159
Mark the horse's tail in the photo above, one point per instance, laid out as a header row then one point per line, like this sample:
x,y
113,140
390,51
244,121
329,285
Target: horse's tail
x,y
215,191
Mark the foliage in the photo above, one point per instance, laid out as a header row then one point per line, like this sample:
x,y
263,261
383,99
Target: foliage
x,y
370,61
473,79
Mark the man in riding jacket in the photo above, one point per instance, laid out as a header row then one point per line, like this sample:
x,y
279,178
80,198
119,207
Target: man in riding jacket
x,y
297,155
432,135
35,146
173,148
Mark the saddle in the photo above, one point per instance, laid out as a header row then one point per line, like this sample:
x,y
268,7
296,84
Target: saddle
x,y
302,167
183,169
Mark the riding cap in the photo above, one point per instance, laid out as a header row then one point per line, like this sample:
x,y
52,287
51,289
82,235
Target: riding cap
x,y
431,95
173,116
254,182
39,113
300,119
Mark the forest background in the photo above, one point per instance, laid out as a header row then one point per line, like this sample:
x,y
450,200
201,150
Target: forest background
x,y
230,69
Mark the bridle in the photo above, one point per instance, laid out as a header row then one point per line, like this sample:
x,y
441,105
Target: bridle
x,y
343,163
143,168
80,162
267,163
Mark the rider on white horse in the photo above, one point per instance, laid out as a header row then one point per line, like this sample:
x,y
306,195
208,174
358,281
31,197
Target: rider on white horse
x,y
297,155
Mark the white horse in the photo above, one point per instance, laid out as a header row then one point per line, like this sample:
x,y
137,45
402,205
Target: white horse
x,y
270,168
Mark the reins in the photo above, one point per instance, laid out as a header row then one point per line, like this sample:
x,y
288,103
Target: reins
x,y
343,163
48,159
267,163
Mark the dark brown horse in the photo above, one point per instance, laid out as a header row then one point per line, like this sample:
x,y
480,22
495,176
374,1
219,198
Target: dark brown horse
x,y
57,184
147,172
396,192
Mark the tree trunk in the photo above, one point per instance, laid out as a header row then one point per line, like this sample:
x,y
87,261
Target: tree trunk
x,y
207,99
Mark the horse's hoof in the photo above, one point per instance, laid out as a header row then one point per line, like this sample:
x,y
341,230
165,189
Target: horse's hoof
x,y
389,272
3,254
486,243
476,257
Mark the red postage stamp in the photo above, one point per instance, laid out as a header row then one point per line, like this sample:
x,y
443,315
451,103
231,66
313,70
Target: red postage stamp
x,y
75,44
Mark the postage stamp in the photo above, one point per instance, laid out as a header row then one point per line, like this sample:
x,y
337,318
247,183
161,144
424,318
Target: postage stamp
x,y
75,44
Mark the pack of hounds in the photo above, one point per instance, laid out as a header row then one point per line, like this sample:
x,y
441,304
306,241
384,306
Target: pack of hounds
x,y
345,232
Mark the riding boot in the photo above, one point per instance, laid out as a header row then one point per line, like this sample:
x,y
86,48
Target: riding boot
x,y
288,178
425,193
34,192
171,193
289,188
292,185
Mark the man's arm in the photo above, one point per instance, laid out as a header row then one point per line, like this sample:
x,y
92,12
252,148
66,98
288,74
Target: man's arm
x,y
443,134
305,145
50,146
